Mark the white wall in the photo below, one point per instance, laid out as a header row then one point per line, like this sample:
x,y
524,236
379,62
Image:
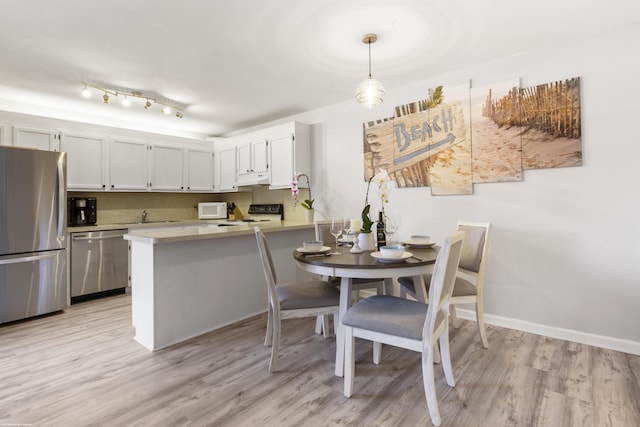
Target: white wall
x,y
565,260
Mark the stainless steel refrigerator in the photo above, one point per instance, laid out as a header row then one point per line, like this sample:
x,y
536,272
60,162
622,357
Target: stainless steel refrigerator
x,y
33,227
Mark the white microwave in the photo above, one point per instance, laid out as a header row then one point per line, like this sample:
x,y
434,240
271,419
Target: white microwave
x,y
212,210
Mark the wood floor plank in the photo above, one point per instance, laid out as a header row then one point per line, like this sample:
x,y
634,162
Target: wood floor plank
x,y
81,367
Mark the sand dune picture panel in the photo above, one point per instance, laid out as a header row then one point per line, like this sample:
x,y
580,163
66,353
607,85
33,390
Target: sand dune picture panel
x,y
496,135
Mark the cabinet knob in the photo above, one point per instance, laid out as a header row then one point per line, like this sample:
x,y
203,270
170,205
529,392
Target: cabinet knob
x,y
113,186
103,186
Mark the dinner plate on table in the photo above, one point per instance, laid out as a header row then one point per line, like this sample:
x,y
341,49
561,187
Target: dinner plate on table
x,y
415,244
322,250
378,256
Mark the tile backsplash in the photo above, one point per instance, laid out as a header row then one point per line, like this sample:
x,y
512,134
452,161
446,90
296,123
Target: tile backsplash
x,y
114,208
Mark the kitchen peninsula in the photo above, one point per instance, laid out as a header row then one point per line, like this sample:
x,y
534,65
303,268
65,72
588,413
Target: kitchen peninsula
x,y
189,280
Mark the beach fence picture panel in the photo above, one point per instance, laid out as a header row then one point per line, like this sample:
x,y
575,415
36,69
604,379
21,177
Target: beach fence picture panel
x,y
550,116
378,146
496,134
426,143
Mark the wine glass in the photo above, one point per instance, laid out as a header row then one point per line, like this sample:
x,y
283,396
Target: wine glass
x,y
392,224
346,229
337,226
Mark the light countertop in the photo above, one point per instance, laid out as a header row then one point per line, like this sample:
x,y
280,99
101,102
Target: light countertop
x,y
180,231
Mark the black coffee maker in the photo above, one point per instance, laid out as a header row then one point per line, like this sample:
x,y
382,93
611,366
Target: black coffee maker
x,y
83,211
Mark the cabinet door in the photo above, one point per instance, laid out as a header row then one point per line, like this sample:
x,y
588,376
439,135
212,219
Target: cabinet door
x,y
252,157
260,154
199,170
281,151
166,168
226,170
128,165
85,161
244,165
41,139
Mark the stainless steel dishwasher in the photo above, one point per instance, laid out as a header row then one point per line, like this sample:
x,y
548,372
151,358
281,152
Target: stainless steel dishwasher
x,y
99,262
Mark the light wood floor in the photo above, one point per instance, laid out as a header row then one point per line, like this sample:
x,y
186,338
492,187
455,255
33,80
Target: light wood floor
x,y
82,368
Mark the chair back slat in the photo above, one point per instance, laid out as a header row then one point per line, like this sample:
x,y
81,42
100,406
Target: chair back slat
x,y
442,282
323,230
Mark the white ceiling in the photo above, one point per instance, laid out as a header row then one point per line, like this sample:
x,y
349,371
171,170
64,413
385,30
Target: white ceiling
x,y
235,64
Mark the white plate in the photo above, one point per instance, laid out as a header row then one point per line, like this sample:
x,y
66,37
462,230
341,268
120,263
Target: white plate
x,y
419,245
378,256
319,251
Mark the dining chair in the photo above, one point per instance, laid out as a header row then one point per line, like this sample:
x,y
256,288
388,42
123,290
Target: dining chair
x,y
293,300
323,232
469,285
409,324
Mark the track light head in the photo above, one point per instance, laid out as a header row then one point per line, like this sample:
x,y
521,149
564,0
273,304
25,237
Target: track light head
x,y
147,105
105,97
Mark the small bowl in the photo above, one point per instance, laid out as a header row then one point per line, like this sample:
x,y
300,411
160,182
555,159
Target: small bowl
x,y
392,251
312,245
420,239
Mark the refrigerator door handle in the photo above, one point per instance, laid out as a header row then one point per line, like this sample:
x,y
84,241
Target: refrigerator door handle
x,y
18,260
62,188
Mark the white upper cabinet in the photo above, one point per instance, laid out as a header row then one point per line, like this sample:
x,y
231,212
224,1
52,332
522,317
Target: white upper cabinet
x,y
128,165
199,170
288,154
41,139
252,162
85,161
166,167
226,169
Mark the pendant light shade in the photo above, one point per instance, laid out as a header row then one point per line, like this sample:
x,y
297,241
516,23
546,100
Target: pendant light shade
x,y
370,92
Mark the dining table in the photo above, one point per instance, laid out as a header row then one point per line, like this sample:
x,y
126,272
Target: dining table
x,y
340,262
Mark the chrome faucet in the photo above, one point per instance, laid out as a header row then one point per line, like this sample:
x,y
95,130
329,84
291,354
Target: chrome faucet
x,y
144,215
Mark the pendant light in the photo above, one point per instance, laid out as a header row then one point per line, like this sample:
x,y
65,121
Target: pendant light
x,y
370,91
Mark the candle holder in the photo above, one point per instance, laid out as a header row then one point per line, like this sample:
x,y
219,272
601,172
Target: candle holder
x,y
356,249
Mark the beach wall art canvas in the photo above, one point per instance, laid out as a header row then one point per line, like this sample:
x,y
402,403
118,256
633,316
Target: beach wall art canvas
x,y
426,143
550,117
496,134
460,135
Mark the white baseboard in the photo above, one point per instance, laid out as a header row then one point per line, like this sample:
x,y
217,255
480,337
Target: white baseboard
x,y
625,346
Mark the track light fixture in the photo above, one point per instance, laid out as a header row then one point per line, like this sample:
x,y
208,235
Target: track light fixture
x,y
370,91
167,108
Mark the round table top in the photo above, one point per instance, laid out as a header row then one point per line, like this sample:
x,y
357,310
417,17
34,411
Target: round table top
x,y
364,260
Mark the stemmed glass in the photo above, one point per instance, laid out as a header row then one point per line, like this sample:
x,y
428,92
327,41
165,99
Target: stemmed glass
x,y
391,226
337,226
346,225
